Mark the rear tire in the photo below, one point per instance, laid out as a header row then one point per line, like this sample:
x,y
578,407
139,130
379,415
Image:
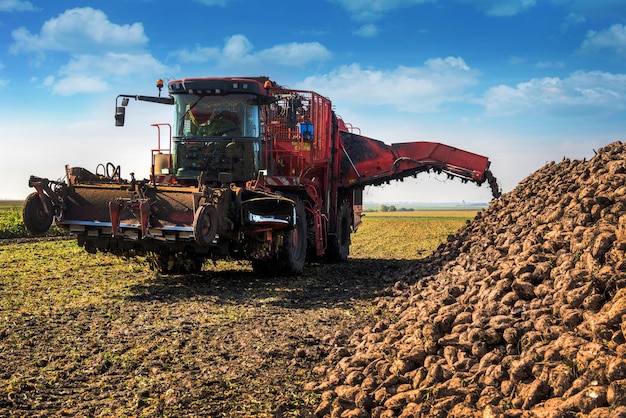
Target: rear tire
x,y
339,244
36,219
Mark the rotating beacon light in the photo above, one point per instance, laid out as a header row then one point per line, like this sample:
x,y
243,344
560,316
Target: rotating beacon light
x,y
159,85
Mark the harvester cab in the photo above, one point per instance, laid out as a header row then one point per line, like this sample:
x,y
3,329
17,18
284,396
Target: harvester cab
x,y
251,170
217,131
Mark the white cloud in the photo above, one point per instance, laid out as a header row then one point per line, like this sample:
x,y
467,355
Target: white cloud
x,y
409,89
237,47
238,50
118,64
213,2
79,84
197,55
501,8
16,6
370,10
595,8
110,65
367,31
550,64
572,19
613,38
3,82
79,30
97,50
582,94
295,54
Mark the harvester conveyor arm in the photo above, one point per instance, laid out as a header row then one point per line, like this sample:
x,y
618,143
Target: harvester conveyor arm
x,y
372,162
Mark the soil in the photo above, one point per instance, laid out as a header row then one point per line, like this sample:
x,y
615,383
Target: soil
x,y
216,344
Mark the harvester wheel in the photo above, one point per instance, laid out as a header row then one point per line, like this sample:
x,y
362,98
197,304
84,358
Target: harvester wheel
x,y
292,253
205,225
339,244
36,219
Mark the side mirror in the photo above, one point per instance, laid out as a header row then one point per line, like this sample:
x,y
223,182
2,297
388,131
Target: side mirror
x,y
120,115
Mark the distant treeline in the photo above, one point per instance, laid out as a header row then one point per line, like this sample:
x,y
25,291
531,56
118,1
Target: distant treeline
x,y
416,207
388,208
11,204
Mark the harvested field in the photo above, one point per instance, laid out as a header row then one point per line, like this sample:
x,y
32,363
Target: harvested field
x,y
521,314
97,335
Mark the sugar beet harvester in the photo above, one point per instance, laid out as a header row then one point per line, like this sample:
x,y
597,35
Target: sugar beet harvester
x,y
252,171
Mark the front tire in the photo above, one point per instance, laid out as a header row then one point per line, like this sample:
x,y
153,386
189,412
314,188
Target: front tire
x,y
36,218
292,253
205,225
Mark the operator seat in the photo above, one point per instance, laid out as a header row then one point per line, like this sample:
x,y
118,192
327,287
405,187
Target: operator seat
x,y
225,123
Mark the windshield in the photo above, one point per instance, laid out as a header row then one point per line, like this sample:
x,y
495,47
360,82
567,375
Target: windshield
x,y
230,115
241,159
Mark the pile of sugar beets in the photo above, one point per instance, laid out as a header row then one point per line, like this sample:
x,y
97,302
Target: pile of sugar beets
x,y
522,313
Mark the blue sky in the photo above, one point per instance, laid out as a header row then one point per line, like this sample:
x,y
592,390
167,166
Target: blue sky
x,y
523,82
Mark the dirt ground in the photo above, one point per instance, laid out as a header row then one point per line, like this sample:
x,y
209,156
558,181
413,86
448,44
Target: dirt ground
x,y
223,343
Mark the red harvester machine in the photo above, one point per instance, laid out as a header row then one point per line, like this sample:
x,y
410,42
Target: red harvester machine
x,y
252,171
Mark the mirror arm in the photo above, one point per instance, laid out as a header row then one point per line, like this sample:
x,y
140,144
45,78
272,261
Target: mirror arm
x,y
120,108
